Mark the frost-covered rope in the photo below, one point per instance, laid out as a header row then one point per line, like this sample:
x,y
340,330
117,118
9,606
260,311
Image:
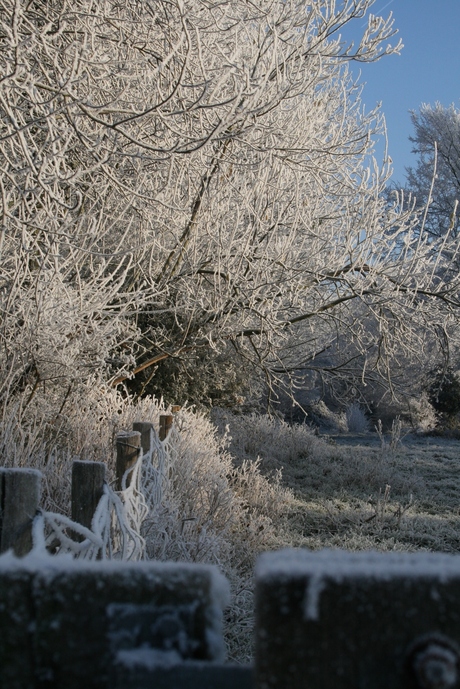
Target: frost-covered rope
x,y
156,470
129,510
49,533
115,527
115,531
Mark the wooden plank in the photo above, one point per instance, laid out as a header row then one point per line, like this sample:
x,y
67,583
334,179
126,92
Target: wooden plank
x,y
16,627
341,620
89,614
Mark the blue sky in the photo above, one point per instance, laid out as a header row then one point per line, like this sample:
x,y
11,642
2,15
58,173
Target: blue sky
x,y
428,69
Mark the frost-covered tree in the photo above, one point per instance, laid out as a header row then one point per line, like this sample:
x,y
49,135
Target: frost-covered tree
x,y
434,183
435,180
185,176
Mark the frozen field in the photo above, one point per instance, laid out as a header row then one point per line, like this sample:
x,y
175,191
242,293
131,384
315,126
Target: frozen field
x,y
364,496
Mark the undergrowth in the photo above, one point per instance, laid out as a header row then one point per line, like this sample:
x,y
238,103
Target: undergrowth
x,y
213,510
243,484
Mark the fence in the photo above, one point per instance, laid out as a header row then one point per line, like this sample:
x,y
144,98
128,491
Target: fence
x,y
325,620
104,523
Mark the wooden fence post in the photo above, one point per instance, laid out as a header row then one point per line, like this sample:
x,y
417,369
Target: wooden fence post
x,y
128,451
145,428
166,422
88,480
20,498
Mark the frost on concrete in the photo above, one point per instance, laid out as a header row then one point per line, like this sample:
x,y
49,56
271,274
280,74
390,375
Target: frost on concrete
x,y
321,567
86,616
312,597
337,619
338,564
148,658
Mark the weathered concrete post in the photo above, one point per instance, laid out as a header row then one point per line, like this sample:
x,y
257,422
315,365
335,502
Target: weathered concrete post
x,y
340,620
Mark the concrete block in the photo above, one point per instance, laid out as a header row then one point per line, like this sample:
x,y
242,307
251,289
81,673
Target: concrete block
x,y
143,671
16,627
87,615
341,620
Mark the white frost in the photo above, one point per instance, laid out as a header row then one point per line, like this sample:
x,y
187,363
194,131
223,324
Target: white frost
x,y
318,568
148,658
337,565
313,591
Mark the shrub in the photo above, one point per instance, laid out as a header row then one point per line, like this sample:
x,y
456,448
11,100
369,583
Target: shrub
x,y
444,391
423,417
357,421
213,509
326,419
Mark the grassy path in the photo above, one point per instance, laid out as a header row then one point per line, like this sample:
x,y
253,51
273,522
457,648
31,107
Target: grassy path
x,y
351,492
340,492
358,496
